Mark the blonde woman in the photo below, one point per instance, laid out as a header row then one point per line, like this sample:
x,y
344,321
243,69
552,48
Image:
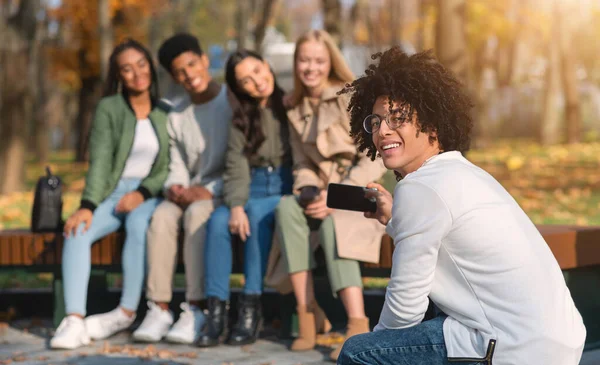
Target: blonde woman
x,y
324,153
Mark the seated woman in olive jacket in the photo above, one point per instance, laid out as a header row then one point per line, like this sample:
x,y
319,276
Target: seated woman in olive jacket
x,y
129,159
257,173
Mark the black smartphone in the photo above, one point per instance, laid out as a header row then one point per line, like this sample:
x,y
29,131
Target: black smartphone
x,y
349,197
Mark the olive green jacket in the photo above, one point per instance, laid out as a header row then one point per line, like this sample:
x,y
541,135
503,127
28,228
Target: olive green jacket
x,y
111,139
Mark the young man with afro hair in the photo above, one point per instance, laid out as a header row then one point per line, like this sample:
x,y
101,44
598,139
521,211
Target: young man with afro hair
x,y
460,239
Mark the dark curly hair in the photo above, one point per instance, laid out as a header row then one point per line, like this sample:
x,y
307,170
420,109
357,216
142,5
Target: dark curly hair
x,y
439,99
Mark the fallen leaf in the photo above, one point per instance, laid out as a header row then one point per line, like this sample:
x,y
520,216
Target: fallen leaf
x,y
165,354
248,348
189,355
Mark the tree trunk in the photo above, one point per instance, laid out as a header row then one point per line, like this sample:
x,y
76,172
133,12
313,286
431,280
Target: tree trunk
x,y
451,40
18,32
105,36
13,126
38,81
482,90
332,14
242,16
185,12
266,18
411,22
551,119
88,97
396,21
569,80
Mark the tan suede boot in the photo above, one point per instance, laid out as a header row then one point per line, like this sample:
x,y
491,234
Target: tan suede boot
x,y
307,333
321,322
356,326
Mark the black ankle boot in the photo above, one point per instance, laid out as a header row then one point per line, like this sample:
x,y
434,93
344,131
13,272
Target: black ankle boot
x,y
249,322
215,330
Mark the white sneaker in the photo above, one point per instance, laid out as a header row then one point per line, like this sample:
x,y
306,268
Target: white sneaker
x,y
70,334
155,325
101,326
188,326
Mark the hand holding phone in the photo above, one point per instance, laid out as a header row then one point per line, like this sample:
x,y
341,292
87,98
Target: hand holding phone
x,y
384,202
308,194
350,197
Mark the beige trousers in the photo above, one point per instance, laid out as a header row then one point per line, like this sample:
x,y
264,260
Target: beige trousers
x,y
163,234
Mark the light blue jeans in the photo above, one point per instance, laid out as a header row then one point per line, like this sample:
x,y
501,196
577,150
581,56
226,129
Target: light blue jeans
x,y
422,344
76,260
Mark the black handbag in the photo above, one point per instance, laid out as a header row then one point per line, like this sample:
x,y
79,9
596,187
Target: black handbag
x,y
46,215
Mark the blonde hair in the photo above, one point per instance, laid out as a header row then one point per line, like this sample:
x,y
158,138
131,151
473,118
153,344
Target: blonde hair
x,y
340,71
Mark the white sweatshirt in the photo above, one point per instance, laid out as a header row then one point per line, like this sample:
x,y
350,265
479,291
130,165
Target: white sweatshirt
x,y
462,240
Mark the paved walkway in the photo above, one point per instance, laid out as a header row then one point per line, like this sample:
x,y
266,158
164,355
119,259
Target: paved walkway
x,y
24,344
30,347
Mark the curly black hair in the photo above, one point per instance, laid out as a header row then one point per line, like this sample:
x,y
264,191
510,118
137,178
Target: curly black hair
x,y
439,99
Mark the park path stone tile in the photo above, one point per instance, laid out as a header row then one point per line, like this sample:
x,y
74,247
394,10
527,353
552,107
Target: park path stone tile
x,y
23,345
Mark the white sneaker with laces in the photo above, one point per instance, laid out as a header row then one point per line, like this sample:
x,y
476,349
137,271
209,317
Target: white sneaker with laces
x,y
155,325
101,326
188,326
70,334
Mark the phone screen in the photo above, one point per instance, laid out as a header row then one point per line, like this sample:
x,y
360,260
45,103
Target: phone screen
x,y
349,197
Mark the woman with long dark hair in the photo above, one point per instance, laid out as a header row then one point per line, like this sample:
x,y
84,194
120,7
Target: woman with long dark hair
x,y
129,158
257,173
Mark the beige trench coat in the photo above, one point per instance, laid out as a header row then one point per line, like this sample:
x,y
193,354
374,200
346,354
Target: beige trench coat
x,y
334,158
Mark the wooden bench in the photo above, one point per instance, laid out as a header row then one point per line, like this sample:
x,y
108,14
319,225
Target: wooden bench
x,y
573,247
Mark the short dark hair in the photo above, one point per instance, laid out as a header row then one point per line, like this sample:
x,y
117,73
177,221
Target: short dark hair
x,y
175,46
113,79
440,100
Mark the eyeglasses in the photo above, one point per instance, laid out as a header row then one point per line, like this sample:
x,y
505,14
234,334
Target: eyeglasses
x,y
394,120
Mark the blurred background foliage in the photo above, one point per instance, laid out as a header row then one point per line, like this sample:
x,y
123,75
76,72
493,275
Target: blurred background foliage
x,y
530,65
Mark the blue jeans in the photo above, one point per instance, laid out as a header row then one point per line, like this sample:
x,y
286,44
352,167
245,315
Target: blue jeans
x,y
422,344
266,189
76,260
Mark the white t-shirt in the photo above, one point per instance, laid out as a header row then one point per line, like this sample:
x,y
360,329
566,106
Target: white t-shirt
x,y
462,240
143,151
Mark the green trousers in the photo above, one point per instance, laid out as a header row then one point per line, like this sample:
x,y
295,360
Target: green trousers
x,y
294,230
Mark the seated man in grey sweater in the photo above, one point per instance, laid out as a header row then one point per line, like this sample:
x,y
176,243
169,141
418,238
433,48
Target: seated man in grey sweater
x,y
198,141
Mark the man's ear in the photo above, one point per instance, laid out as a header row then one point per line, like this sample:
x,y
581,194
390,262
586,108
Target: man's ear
x,y
205,61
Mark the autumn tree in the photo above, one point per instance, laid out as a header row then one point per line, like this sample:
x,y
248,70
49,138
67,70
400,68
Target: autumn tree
x,y
79,61
18,30
332,18
451,40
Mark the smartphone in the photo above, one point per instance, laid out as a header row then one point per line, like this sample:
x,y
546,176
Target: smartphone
x,y
349,197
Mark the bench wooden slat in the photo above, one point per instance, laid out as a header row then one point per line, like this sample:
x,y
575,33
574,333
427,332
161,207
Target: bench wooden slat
x,y
16,249
37,251
572,246
5,252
